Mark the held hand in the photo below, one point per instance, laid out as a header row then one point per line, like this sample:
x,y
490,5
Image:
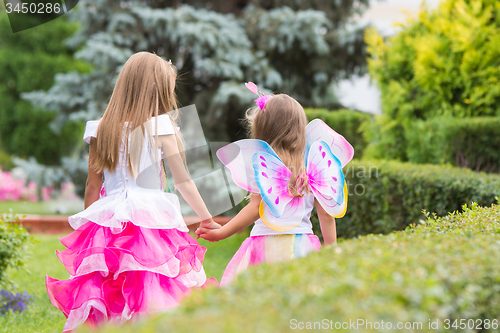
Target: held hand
x,y
207,224
212,235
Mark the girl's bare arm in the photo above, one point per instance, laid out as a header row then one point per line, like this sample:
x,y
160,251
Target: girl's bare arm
x,y
327,224
94,179
248,215
183,181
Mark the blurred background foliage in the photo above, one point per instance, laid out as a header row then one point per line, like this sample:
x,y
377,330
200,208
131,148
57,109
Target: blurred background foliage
x,y
302,48
444,63
28,61
437,76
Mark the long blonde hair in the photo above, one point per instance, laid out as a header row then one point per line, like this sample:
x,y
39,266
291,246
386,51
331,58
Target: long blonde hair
x,y
283,127
144,89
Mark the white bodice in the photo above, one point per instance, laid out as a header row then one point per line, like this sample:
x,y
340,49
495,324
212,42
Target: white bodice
x,y
304,227
121,178
138,200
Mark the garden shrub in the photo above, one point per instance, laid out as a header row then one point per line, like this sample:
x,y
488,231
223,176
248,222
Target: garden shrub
x,y
444,63
390,195
14,240
472,143
348,123
6,161
474,220
417,276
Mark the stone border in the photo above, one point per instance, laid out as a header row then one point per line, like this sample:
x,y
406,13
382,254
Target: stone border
x,y
58,224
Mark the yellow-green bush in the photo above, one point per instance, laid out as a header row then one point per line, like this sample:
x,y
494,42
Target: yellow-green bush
x,y
419,276
444,63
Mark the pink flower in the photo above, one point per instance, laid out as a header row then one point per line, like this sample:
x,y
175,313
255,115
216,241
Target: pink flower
x,y
10,188
68,191
47,193
29,192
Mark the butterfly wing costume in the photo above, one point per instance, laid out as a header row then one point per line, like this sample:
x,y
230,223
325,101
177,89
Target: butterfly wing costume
x,y
255,167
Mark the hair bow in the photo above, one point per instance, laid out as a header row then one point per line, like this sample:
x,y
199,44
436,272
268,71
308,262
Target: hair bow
x,y
262,99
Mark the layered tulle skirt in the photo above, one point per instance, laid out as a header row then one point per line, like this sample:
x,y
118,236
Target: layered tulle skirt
x,y
121,275
269,248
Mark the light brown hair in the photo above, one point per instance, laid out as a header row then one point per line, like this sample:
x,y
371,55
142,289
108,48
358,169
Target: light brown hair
x,y
283,126
144,89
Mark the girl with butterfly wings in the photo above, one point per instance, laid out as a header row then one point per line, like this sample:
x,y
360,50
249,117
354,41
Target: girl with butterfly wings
x,y
289,167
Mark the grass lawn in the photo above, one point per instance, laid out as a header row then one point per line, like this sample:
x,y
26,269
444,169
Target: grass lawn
x,y
41,208
41,316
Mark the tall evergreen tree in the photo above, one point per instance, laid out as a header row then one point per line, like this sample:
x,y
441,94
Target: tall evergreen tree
x,y
301,48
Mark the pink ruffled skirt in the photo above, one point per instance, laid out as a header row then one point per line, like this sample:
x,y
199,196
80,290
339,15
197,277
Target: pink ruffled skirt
x,y
269,248
120,276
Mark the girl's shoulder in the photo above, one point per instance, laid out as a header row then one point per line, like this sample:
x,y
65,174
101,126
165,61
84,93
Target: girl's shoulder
x,y
90,130
162,123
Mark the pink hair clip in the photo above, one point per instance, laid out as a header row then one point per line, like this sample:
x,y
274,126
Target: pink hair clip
x,y
261,101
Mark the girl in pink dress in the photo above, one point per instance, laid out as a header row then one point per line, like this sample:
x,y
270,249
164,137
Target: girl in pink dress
x,y
289,168
130,253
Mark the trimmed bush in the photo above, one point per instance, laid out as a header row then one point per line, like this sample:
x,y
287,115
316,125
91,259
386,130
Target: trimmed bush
x,y
345,122
390,195
13,246
474,220
471,143
418,277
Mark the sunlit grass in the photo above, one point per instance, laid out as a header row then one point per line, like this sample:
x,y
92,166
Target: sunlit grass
x,y
41,316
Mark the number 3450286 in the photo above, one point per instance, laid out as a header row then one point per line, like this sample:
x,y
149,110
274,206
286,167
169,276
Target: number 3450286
x,y
471,324
33,8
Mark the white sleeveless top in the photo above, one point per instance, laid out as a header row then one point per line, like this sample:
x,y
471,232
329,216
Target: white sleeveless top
x,y
125,200
304,227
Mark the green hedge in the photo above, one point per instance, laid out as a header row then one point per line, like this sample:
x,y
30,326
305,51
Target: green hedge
x,y
472,143
390,195
416,276
345,122
13,246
